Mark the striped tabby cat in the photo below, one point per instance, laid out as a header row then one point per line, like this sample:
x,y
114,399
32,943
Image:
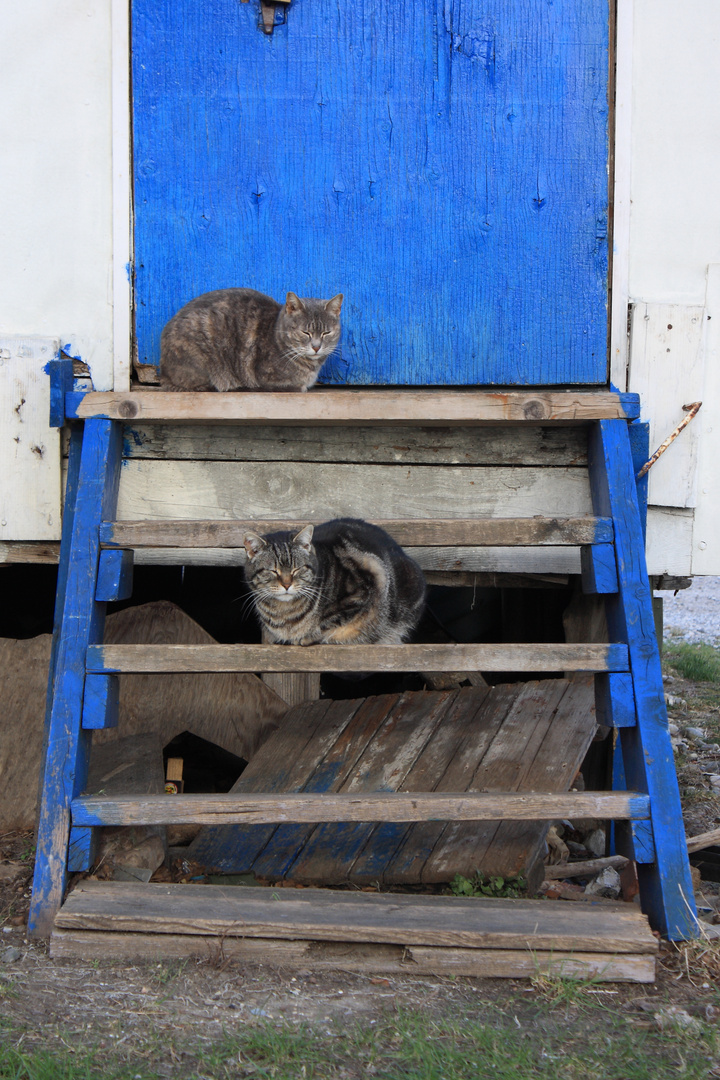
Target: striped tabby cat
x,y
240,339
341,582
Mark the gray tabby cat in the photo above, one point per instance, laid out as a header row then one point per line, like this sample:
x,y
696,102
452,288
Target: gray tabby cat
x,y
240,339
345,581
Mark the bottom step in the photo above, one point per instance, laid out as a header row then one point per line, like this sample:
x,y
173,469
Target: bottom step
x,y
369,932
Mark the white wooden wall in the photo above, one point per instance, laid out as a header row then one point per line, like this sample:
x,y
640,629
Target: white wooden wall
x,y
64,201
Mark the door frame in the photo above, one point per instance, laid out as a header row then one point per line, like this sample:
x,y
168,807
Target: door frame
x,y
619,156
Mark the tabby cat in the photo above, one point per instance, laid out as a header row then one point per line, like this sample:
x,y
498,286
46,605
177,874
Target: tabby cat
x,y
345,581
240,339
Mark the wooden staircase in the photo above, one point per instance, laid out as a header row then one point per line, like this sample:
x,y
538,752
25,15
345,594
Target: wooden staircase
x,y
96,561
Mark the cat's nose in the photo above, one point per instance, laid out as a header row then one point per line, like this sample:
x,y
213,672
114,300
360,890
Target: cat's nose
x,y
316,348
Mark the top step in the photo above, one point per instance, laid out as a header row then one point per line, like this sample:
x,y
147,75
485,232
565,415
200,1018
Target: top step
x,y
325,405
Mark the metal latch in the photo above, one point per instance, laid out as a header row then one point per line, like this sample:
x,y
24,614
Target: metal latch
x,y
272,12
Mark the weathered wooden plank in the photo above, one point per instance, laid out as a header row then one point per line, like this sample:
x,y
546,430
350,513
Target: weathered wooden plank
x,y
517,847
506,561
115,575
456,532
337,763
111,659
481,726
81,621
350,956
29,551
306,735
376,860
240,491
386,761
323,915
426,407
665,884
349,806
503,767
526,445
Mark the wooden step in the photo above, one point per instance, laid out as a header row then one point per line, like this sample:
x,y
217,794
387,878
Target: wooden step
x,y
357,930
302,807
447,532
111,659
337,406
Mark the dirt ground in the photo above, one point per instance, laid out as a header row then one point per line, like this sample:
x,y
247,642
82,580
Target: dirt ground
x,y
164,1014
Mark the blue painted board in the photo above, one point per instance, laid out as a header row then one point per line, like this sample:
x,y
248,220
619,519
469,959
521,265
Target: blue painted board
x,y
640,450
81,848
443,163
101,703
615,700
665,885
597,568
115,574
80,621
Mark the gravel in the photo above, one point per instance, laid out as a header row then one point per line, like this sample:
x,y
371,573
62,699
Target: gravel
x,y
693,614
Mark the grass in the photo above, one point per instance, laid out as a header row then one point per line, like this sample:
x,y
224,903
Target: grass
x,y
596,1042
697,663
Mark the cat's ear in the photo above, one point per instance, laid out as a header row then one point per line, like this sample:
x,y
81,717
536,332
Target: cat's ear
x,y
304,537
253,544
334,305
293,304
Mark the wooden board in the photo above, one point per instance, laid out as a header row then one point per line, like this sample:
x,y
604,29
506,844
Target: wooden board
x,y
261,808
23,695
426,407
350,658
159,490
352,956
326,915
428,746
526,445
459,532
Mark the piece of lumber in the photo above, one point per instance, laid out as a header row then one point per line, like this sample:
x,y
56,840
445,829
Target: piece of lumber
x,y
260,808
326,915
256,490
111,659
333,406
703,840
367,959
457,532
587,868
524,445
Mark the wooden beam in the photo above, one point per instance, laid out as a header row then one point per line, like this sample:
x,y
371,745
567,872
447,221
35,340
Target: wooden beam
x,y
331,406
483,532
304,807
111,659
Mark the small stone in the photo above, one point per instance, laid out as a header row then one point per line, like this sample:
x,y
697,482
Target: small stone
x,y
694,733
595,843
607,883
714,779
673,729
672,1016
668,678
10,954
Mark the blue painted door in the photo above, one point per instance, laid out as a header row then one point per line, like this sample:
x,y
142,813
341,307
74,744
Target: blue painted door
x,y
443,163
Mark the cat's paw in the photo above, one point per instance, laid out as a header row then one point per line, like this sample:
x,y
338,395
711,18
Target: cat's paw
x,y
307,640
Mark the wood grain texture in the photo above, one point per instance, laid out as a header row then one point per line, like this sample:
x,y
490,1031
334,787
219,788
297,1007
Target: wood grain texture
x,y
111,659
382,407
350,956
524,445
236,490
454,532
80,620
466,221
665,884
324,915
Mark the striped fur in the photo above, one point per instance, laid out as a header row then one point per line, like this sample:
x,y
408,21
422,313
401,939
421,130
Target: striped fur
x,y
342,582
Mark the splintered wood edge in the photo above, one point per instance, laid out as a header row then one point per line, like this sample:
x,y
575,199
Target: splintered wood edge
x,y
376,406
363,958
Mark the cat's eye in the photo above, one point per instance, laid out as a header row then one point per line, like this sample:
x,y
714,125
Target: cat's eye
x,y
307,333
